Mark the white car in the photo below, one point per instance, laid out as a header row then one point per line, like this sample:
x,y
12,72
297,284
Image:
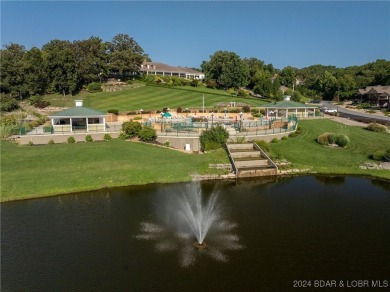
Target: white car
x,y
330,110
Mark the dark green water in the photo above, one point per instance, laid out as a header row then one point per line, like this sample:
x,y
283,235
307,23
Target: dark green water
x,y
303,228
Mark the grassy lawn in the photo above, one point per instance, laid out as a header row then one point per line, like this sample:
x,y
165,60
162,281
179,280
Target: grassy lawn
x,y
152,98
304,152
36,171
46,170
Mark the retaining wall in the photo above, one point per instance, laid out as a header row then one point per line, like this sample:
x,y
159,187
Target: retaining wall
x,y
180,142
62,138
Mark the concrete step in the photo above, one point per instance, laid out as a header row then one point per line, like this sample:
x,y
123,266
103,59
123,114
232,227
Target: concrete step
x,y
240,146
251,163
246,154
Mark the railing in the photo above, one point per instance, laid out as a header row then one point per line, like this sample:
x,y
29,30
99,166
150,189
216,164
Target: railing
x,y
66,129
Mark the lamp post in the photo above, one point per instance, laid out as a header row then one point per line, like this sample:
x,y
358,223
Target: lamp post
x,y
241,114
225,109
162,119
141,110
212,119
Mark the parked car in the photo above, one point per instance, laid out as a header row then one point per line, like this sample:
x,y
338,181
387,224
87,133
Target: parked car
x,y
330,110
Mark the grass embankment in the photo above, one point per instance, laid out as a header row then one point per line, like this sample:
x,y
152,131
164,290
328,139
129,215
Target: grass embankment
x,y
305,153
152,98
37,171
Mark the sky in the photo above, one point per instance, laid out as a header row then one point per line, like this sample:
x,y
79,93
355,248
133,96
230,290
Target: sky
x,y
186,33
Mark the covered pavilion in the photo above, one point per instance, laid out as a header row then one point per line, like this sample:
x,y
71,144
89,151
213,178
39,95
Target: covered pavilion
x,y
286,108
78,118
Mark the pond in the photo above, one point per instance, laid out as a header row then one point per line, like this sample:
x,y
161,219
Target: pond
x,y
271,234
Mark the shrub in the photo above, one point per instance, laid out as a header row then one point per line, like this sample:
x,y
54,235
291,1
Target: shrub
x,y
131,129
194,82
122,136
246,109
179,110
242,93
323,139
275,140
107,137
213,138
379,155
263,145
71,139
211,83
239,139
284,138
331,138
30,143
51,142
167,143
113,111
88,138
386,157
39,102
231,91
342,140
8,103
147,134
94,87
137,118
363,106
376,128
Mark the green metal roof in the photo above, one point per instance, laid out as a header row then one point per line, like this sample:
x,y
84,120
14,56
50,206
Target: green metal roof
x,y
288,104
78,112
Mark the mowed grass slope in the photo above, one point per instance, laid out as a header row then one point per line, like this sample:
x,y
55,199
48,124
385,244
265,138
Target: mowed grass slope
x,y
153,98
304,152
36,171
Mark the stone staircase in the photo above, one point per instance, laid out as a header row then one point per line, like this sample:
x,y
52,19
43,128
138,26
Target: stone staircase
x,y
249,160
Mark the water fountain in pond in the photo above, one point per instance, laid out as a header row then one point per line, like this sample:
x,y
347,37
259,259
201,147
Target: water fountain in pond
x,y
188,219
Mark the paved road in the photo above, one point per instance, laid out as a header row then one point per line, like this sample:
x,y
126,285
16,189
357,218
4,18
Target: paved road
x,y
358,116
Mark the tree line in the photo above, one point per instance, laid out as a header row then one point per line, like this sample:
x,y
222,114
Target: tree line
x,y
65,67
228,70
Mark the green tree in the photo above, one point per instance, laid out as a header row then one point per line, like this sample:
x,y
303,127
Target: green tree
x,y
11,67
91,60
288,76
34,70
328,85
255,70
61,66
124,55
227,69
347,86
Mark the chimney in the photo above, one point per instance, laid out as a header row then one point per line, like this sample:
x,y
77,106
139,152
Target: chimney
x,y
79,102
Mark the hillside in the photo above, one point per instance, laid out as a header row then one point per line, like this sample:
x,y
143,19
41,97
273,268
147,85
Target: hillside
x,y
141,96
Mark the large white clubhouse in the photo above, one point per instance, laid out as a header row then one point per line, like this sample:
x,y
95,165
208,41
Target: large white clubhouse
x,y
154,68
